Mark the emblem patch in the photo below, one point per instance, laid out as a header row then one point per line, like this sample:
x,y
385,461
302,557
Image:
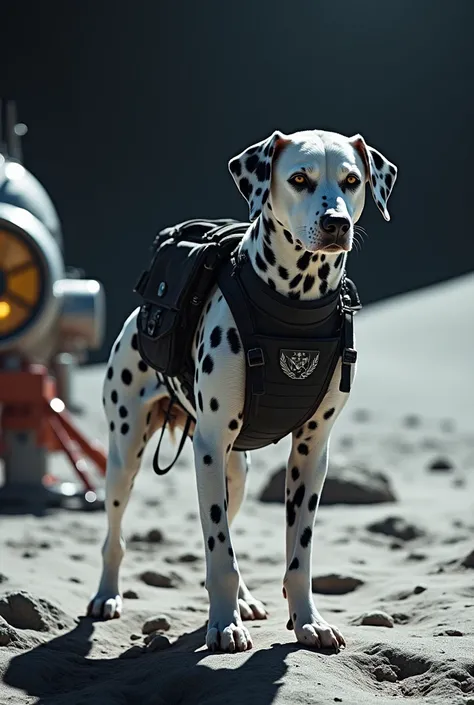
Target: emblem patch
x,y
299,364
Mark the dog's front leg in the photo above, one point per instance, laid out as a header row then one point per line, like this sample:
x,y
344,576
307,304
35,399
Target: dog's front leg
x,y
225,629
305,477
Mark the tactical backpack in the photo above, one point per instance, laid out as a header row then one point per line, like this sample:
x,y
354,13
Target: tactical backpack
x,y
186,259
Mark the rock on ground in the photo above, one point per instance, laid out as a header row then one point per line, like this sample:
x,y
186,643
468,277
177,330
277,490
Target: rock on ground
x,y
151,577
335,584
344,485
376,618
160,623
397,527
25,611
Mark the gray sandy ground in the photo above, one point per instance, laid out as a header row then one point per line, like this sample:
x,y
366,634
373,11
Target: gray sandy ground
x,y
412,404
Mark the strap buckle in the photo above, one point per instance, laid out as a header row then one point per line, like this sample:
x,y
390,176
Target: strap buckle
x,y
349,356
255,357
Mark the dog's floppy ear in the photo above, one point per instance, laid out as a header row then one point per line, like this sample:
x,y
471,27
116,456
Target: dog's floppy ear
x,y
381,173
252,172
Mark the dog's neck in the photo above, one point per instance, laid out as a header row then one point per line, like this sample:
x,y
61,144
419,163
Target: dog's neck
x,y
285,265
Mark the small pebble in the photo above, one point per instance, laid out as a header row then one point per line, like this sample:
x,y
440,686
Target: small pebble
x,y
397,527
416,557
189,558
158,643
419,589
154,624
155,536
130,595
440,465
152,502
396,545
449,632
135,637
377,619
151,577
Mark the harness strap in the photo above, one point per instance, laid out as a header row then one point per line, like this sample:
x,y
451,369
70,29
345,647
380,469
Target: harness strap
x,y
156,464
349,354
231,288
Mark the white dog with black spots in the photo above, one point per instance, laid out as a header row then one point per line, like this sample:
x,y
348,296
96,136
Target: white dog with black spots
x,y
305,192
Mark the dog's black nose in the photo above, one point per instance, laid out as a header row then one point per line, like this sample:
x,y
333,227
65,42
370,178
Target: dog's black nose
x,y
335,225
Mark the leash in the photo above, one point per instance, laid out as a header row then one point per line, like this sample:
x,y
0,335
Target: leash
x,y
156,465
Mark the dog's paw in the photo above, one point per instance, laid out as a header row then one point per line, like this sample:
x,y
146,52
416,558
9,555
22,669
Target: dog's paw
x,y
318,633
228,634
250,608
105,606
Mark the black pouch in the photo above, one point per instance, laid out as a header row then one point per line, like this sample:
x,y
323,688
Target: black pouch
x,y
175,287
180,277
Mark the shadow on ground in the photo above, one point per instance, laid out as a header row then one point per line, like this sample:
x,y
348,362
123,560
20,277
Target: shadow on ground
x,y
60,671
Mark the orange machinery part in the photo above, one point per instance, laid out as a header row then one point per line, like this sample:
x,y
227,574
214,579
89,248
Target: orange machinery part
x,y
25,396
22,396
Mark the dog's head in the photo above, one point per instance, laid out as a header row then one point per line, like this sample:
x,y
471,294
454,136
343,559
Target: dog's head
x,y
315,183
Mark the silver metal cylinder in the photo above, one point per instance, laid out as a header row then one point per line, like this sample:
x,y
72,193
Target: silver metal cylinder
x,y
82,319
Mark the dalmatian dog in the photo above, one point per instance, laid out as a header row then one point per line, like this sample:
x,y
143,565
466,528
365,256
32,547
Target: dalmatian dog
x,y
305,193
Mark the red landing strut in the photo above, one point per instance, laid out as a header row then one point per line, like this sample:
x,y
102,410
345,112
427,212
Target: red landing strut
x,y
28,403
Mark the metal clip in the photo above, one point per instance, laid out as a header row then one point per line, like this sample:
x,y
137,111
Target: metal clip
x,y
255,357
153,323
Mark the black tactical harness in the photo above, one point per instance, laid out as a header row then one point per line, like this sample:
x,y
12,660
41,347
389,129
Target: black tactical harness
x,y
291,347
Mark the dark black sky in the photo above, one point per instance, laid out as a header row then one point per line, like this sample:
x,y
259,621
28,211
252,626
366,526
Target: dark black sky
x,y
134,109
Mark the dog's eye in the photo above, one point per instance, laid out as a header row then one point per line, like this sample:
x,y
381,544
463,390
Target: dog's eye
x,y
352,180
299,181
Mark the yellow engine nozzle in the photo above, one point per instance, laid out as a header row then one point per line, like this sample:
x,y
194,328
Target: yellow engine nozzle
x,y
21,282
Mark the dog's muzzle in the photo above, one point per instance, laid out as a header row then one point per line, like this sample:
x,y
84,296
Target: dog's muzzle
x,y
335,233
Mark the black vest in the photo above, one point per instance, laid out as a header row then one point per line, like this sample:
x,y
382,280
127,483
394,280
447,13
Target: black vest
x,y
291,350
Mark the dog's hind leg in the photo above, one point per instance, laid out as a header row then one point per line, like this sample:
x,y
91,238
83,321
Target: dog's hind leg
x,y
131,391
236,476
